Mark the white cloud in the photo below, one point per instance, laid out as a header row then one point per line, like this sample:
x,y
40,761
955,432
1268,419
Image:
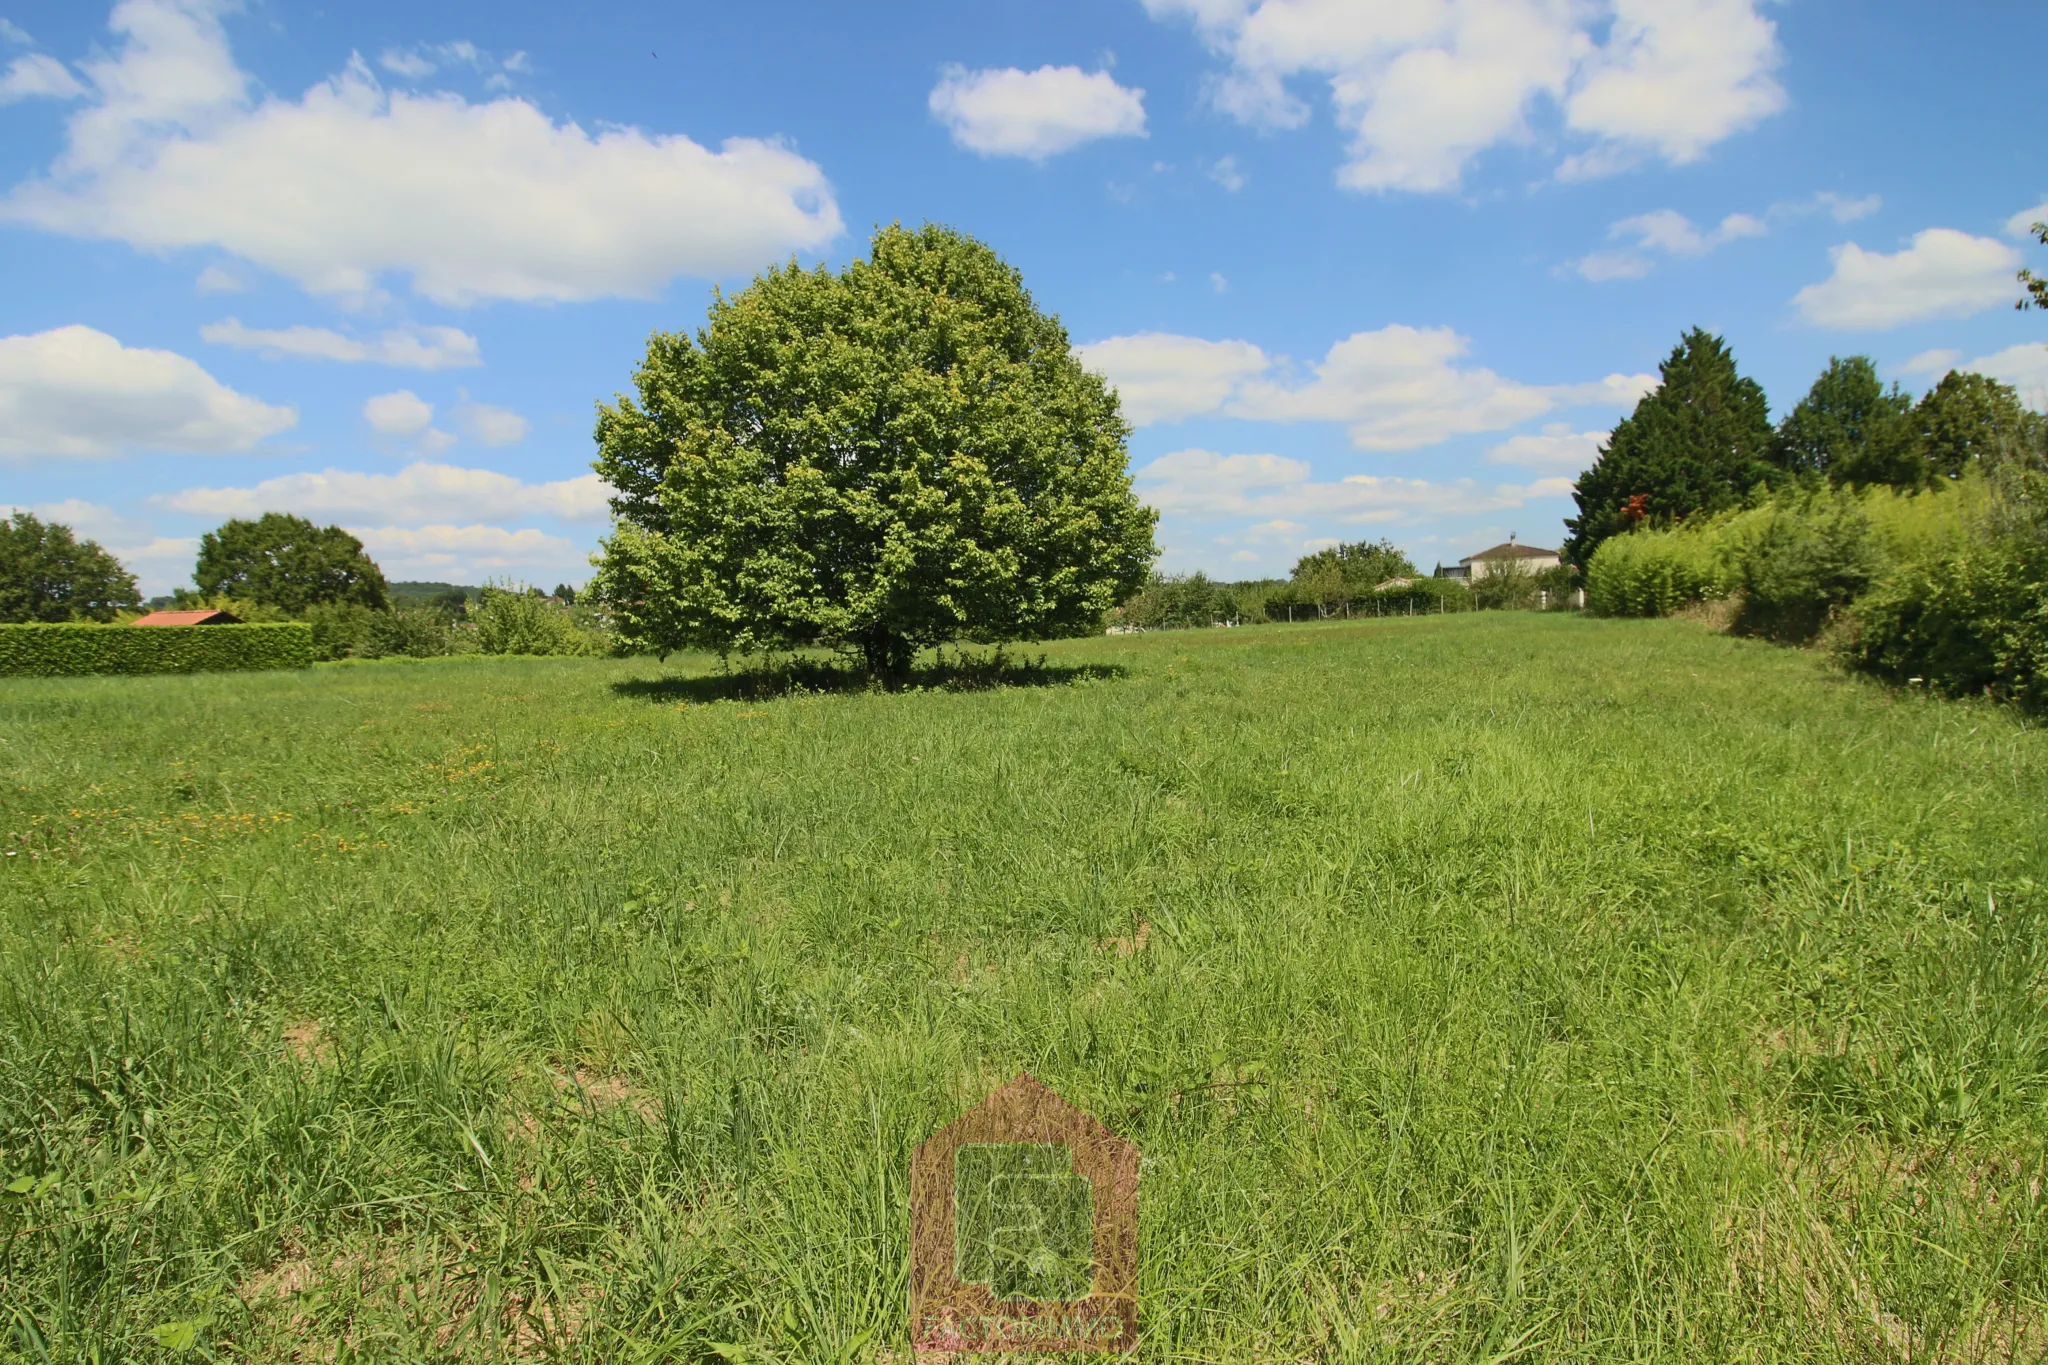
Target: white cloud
x,y
1676,76
1670,231
1937,362
75,392
1558,448
398,414
1846,210
351,181
1424,86
411,65
1665,230
1163,377
418,493
36,76
1204,484
214,280
1226,172
413,347
489,426
2021,224
14,33
1601,267
1034,114
1943,274
1398,388
449,553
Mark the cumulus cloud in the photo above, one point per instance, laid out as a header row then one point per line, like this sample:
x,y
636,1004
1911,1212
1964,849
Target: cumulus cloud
x,y
1847,210
1034,114
1557,448
416,348
1943,274
1400,387
78,393
1396,388
352,182
1667,231
1424,87
36,76
489,426
446,552
15,33
398,414
1203,484
1163,377
2021,224
418,493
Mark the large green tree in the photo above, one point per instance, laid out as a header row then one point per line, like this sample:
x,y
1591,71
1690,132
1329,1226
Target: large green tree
x,y
1968,419
1698,442
898,455
48,574
2037,285
284,561
1848,427
1361,565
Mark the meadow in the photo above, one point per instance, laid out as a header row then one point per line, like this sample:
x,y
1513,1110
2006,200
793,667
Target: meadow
x,y
1479,988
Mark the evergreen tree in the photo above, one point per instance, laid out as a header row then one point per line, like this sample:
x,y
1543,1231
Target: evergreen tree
x,y
1697,443
1847,427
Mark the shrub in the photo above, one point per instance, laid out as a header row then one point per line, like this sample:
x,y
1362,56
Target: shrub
x,y
1423,596
1653,573
1792,566
1963,604
414,632
77,649
510,620
340,629
1507,585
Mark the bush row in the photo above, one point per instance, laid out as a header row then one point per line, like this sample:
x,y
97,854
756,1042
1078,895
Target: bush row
x,y
1947,587
81,648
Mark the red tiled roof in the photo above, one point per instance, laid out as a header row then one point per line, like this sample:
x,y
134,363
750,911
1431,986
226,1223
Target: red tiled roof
x,y
187,618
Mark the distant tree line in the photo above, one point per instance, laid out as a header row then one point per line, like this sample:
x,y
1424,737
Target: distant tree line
x,y
278,567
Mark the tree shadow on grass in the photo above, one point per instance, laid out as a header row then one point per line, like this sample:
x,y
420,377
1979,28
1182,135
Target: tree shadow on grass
x,y
819,677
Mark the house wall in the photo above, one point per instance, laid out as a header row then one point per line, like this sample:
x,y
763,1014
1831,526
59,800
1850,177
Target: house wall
x,y
1535,563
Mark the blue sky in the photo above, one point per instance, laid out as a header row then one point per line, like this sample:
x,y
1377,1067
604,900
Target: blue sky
x,y
1359,269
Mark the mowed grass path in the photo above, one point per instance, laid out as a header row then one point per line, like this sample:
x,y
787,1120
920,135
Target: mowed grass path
x,y
1483,988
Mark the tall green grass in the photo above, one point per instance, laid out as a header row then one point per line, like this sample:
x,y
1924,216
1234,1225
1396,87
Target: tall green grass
x,y
1478,988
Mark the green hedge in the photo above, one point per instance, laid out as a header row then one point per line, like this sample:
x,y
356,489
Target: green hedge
x,y
79,648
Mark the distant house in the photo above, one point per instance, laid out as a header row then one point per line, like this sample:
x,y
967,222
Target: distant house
x,y
1475,567
1391,584
188,618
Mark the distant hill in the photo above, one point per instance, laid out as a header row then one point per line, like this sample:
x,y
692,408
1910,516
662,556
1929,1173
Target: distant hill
x,y
416,594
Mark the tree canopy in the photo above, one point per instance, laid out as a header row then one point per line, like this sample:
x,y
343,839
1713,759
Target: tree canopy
x,y
1698,442
1847,427
47,574
1967,419
901,454
283,561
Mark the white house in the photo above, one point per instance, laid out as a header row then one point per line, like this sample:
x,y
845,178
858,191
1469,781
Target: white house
x,y
1475,567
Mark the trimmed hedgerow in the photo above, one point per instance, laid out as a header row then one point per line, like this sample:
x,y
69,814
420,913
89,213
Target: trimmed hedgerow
x,y
78,648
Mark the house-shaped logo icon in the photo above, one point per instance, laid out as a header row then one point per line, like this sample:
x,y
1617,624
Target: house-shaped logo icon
x,y
1024,1229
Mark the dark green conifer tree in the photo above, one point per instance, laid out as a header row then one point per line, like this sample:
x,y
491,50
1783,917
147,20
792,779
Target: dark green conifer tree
x,y
1698,442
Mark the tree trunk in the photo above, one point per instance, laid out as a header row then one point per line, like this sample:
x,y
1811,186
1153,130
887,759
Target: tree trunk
x,y
888,657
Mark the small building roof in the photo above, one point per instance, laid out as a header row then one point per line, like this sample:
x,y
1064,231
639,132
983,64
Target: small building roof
x,y
188,618
1511,550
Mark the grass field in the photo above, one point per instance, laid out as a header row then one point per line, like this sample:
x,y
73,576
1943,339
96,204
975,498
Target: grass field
x,y
1501,987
